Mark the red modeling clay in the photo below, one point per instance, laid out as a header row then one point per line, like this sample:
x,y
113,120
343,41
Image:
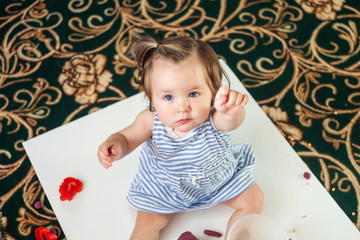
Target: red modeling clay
x,y
187,236
307,175
53,231
69,187
38,205
212,233
42,233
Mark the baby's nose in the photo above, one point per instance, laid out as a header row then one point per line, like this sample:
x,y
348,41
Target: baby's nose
x,y
184,105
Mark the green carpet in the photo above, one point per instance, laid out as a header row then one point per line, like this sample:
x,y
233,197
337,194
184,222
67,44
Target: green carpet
x,y
61,60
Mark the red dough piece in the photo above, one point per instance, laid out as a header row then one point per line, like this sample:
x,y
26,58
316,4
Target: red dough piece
x,y
212,233
187,236
307,175
38,205
53,231
69,187
42,233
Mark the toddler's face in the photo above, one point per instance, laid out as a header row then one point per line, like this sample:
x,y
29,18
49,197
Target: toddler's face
x,y
180,95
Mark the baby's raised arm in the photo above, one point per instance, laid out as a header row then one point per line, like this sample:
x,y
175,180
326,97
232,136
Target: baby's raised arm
x,y
229,106
125,141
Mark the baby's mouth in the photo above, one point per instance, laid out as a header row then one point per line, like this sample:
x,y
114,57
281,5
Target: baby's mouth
x,y
183,121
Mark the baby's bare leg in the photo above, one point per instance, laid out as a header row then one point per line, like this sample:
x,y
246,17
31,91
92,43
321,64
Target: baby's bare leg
x,y
148,225
248,202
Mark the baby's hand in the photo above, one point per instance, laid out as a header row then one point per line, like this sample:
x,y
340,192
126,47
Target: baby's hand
x,y
229,101
107,153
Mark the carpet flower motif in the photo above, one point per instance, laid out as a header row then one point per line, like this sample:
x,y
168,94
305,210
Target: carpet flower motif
x,y
280,119
323,9
85,76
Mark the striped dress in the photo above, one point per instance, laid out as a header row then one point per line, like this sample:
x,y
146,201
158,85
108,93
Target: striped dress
x,y
190,173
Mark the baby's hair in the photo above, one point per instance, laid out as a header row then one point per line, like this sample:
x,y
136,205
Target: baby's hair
x,y
176,49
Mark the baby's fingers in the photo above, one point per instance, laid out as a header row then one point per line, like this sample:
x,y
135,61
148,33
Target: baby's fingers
x,y
105,156
233,99
237,99
245,100
106,164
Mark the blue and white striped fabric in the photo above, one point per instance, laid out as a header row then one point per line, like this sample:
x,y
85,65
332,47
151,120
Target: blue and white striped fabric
x,y
192,173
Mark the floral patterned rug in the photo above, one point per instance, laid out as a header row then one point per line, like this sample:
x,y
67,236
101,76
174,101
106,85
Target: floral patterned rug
x,y
61,60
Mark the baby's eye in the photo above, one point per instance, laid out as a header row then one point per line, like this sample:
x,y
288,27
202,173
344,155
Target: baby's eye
x,y
168,98
193,94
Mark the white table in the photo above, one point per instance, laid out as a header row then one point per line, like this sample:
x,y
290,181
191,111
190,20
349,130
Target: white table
x,y
101,211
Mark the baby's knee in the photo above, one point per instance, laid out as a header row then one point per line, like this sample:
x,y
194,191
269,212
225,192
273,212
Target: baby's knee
x,y
163,220
148,225
250,200
257,200
157,221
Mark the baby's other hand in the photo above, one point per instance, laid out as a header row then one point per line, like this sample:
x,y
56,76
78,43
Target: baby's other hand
x,y
107,153
229,101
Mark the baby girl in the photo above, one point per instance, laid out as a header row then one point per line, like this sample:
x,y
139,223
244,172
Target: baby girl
x,y
186,161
